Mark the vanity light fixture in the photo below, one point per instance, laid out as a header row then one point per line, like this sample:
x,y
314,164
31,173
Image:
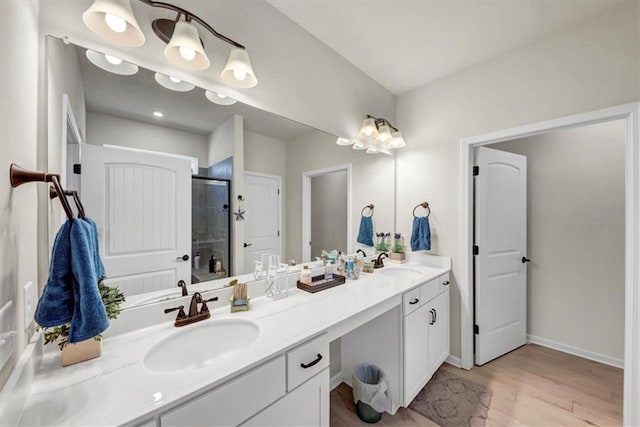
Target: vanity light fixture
x,y
173,83
111,63
114,20
219,98
380,134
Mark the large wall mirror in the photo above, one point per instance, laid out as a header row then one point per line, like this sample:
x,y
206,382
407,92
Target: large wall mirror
x,y
188,185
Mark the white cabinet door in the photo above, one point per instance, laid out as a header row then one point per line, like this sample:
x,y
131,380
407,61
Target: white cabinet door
x,y
416,352
306,406
438,322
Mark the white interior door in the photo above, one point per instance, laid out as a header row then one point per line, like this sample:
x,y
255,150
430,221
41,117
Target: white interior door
x,y
500,267
262,220
141,204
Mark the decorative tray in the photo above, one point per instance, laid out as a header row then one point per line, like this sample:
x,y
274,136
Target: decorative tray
x,y
319,283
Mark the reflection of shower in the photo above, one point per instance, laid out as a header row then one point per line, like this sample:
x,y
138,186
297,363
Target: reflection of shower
x,y
210,227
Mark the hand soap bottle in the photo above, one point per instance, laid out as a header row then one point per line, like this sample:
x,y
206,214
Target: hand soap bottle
x,y
305,275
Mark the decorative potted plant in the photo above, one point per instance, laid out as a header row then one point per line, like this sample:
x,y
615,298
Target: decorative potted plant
x,y
397,250
382,243
91,348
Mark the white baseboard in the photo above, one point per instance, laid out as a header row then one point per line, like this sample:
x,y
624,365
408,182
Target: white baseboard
x,y
597,357
335,381
454,361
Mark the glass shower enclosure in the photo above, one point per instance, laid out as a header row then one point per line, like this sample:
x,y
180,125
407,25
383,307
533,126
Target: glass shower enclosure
x,y
210,223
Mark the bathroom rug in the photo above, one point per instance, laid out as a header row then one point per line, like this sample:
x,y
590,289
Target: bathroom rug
x,y
449,401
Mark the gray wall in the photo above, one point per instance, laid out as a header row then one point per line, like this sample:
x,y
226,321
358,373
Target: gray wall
x,y
584,68
19,55
107,129
329,212
575,236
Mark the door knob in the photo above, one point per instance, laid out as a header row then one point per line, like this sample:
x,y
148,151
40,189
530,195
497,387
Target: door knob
x,y
525,259
183,258
246,245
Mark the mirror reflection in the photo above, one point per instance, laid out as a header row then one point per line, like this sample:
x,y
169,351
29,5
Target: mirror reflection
x,y
186,184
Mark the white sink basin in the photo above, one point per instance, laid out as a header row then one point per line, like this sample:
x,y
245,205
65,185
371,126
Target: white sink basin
x,y
195,346
398,272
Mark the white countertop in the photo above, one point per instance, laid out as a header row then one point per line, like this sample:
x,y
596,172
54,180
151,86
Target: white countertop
x,y
118,389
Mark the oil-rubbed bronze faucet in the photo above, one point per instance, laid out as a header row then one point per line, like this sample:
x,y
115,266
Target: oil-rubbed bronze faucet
x,y
194,315
361,252
183,285
378,262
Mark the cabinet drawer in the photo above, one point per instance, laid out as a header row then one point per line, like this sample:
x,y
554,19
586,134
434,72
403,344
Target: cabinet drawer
x,y
429,290
234,402
445,282
306,360
411,300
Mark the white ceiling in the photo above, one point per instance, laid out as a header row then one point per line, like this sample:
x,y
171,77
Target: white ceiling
x,y
136,97
405,44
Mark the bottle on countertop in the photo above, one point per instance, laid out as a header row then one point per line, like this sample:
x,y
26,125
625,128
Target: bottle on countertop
x,y
328,271
212,264
196,261
305,275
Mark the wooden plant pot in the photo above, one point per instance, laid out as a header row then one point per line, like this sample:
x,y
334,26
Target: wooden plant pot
x,y
79,352
398,257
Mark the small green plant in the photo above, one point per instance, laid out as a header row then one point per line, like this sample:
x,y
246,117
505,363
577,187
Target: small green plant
x,y
382,244
111,298
398,244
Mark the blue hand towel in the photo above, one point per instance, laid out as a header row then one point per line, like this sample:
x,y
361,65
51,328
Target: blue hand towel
x,y
365,234
89,315
421,234
96,248
55,306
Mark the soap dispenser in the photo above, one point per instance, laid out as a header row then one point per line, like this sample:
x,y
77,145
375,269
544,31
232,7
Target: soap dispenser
x,y
305,275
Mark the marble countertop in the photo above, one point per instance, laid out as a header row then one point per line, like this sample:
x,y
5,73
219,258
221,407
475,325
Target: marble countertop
x,y
117,388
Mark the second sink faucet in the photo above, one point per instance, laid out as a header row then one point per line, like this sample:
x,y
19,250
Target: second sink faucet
x,y
182,284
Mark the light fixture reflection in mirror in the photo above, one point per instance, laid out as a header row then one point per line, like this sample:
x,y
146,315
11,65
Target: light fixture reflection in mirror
x,y
218,98
173,83
111,63
359,146
344,141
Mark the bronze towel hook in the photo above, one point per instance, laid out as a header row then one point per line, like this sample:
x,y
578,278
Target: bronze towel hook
x,y
19,176
74,194
425,205
370,207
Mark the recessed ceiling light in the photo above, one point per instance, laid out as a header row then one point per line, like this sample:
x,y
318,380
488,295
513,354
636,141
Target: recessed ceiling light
x,y
159,114
219,98
111,63
173,83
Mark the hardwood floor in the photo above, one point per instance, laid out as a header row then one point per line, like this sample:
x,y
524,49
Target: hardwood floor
x,y
532,386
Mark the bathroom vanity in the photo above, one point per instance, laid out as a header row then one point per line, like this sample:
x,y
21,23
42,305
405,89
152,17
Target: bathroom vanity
x,y
266,366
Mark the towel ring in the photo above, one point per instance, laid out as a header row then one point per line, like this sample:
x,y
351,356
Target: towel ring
x,y
424,205
370,207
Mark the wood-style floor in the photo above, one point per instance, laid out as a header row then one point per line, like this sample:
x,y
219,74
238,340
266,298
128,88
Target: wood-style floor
x,y
532,386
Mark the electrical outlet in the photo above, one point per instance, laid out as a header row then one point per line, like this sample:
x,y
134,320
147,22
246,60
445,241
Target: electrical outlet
x,y
29,304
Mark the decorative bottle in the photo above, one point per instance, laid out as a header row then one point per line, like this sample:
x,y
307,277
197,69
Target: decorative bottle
x,y
305,275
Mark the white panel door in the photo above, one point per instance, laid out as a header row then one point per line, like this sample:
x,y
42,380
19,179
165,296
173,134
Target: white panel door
x,y
262,219
501,236
141,204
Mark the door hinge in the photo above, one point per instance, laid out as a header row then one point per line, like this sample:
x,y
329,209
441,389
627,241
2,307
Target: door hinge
x,y
476,170
278,233
77,168
476,329
476,250
278,191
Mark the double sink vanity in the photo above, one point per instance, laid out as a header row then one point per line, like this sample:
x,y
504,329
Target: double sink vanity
x,y
266,366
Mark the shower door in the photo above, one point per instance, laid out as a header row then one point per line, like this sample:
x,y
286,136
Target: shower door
x,y
210,223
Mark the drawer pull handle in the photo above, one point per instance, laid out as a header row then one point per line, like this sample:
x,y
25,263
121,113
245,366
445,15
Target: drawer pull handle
x,y
446,283
433,316
415,301
315,362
